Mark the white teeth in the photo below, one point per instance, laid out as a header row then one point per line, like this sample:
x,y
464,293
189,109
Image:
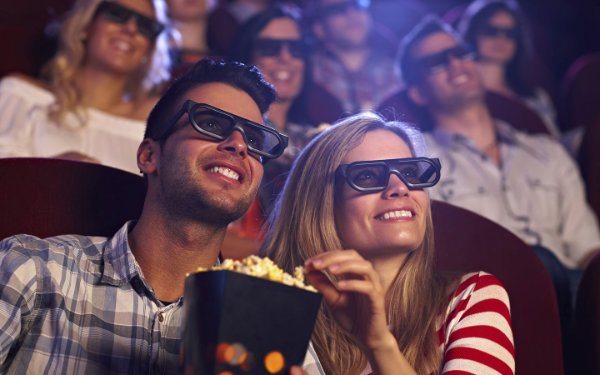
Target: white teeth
x,y
282,75
395,215
225,172
458,80
123,46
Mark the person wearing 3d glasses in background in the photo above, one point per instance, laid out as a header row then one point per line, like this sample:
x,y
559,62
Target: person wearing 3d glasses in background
x,y
526,183
96,305
356,213
497,30
347,62
98,88
273,41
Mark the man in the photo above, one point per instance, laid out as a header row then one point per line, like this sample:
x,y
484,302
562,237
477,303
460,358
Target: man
x,y
77,304
346,64
526,183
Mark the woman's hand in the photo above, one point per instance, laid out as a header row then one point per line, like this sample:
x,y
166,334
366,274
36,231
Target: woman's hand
x,y
77,156
297,371
357,301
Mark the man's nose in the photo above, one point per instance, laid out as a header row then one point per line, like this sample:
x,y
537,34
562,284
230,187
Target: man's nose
x,y
235,144
131,25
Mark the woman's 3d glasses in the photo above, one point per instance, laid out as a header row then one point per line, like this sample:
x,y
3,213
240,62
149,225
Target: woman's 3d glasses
x,y
272,47
494,31
342,7
117,13
217,124
373,176
440,61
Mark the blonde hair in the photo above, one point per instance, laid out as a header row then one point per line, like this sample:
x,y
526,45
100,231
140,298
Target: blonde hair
x,y
61,71
303,225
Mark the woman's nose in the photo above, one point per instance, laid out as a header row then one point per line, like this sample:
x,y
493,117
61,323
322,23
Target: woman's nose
x,y
285,54
395,188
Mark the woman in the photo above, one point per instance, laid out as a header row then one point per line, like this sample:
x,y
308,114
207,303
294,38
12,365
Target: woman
x,y
367,227
97,90
273,41
496,29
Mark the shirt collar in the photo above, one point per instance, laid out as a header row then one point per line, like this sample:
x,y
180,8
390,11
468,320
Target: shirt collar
x,y
119,264
505,133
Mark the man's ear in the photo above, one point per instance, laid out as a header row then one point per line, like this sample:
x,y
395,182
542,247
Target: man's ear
x,y
147,156
415,93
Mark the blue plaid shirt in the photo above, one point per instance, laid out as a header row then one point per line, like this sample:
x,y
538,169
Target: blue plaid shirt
x,y
80,305
362,90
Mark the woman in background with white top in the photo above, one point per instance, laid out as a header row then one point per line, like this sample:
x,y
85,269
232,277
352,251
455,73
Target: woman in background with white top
x,y
98,88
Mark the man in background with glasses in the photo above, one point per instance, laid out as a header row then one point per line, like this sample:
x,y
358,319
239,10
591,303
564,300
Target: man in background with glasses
x,y
95,305
346,63
526,183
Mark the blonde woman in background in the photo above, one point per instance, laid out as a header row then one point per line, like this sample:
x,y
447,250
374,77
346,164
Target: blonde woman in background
x,y
354,206
96,91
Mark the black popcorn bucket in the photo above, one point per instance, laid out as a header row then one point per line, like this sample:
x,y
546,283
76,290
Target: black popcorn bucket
x,y
240,324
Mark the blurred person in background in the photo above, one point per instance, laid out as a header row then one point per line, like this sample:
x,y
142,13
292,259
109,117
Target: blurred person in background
x,y
497,31
526,183
346,62
273,41
189,18
96,92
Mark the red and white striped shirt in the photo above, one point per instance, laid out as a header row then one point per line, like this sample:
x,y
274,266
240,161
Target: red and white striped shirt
x,y
475,333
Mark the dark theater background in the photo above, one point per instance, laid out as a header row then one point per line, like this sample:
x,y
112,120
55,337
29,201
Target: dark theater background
x,y
563,29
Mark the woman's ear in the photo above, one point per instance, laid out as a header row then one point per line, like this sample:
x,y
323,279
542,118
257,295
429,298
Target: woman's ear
x,y
147,156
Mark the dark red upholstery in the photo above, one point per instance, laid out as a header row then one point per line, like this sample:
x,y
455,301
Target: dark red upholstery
x,y
321,106
466,241
580,91
400,107
47,197
586,338
516,113
22,23
513,111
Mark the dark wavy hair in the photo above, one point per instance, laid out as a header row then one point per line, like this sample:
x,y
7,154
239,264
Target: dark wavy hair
x,y
208,70
477,15
243,47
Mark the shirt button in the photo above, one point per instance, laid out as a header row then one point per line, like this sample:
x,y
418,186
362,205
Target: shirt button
x,y
161,317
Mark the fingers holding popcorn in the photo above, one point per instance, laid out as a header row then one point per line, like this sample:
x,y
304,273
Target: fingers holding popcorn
x,y
358,292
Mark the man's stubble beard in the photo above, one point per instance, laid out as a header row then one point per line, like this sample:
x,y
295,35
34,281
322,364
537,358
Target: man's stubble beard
x,y
194,203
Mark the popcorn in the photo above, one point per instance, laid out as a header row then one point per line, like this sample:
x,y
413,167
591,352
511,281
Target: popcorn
x,y
263,268
238,321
